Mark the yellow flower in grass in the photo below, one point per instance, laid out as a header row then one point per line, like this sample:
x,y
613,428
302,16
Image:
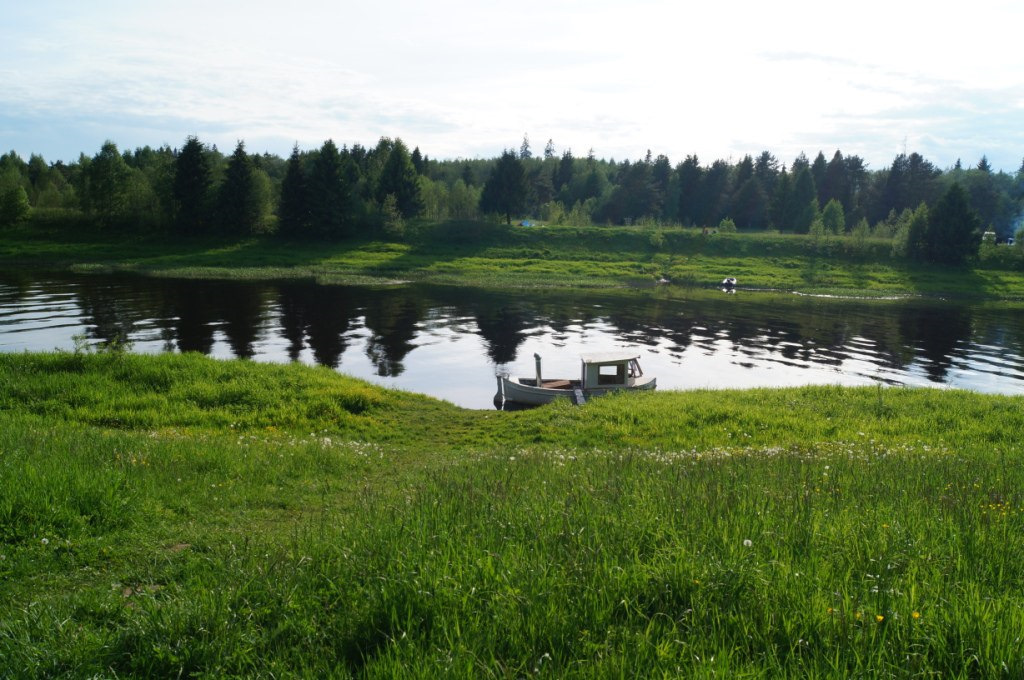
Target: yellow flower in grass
x,y
915,615
879,618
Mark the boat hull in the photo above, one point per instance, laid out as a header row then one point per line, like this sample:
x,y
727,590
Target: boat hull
x,y
525,390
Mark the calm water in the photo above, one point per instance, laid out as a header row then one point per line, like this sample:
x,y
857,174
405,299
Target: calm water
x,y
448,342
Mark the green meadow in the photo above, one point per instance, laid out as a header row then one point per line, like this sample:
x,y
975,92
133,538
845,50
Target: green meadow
x,y
178,516
491,255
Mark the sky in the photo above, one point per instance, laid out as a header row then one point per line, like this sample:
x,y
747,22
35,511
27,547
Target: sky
x,y
467,79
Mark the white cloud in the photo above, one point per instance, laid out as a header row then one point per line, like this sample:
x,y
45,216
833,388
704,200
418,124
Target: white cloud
x,y
469,78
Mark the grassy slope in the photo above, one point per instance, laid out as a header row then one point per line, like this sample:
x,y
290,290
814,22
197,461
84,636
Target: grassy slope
x,y
492,255
166,514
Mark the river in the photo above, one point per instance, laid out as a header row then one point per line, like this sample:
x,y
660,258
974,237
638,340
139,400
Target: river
x,y
449,342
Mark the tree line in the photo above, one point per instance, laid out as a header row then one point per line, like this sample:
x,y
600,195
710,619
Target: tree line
x,y
335,193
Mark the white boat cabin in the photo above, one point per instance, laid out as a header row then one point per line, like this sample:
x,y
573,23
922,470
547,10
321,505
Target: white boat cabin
x,y
610,369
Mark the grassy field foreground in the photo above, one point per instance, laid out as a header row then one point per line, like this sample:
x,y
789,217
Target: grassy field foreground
x,y
180,516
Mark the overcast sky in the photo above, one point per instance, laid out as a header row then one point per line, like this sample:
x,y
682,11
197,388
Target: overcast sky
x,y
468,78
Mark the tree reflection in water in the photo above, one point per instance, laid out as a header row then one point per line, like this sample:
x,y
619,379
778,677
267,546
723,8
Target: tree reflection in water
x,y
913,342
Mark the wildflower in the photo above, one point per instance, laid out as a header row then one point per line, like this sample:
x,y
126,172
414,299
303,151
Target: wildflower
x,y
45,541
915,615
747,542
879,618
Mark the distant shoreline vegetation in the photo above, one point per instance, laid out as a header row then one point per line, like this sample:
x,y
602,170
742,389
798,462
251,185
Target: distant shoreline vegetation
x,y
950,216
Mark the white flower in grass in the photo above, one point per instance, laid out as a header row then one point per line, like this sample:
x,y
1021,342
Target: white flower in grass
x,y
747,543
45,541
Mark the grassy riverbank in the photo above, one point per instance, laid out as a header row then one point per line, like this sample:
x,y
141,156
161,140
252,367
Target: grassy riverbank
x,y
487,255
166,515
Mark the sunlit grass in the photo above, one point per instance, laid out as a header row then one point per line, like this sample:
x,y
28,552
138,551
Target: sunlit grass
x,y
177,515
490,255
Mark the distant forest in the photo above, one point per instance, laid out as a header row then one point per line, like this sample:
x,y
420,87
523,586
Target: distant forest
x,y
333,192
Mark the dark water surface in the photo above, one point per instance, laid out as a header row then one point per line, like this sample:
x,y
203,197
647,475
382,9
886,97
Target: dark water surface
x,y
448,342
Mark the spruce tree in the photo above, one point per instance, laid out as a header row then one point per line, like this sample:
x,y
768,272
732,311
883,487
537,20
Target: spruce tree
x,y
398,178
804,202
238,202
782,201
293,210
191,187
333,203
506,188
566,169
954,230
818,170
689,176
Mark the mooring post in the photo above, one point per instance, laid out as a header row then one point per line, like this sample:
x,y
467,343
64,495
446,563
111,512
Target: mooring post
x,y
537,358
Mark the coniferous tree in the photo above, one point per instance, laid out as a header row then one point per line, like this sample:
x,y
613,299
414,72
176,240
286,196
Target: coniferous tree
x,y
804,202
398,178
818,170
715,193
690,181
566,170
505,190
541,187
417,161
766,169
954,230
191,187
781,209
835,184
798,164
744,171
239,203
108,185
910,181
661,178
750,206
293,209
332,193
524,149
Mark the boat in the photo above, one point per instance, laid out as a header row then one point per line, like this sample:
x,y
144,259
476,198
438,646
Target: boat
x,y
729,282
599,374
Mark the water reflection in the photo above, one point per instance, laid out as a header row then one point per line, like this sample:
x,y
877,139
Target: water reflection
x,y
448,341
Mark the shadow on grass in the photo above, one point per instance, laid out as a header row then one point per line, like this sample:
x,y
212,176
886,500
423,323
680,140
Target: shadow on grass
x,y
947,281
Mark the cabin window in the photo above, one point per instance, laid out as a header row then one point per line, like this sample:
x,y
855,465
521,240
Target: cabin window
x,y
611,375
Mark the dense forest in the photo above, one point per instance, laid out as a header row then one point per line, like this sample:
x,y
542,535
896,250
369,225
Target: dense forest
x,y
332,193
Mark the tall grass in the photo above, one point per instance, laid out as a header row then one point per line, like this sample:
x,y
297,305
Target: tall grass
x,y
212,520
